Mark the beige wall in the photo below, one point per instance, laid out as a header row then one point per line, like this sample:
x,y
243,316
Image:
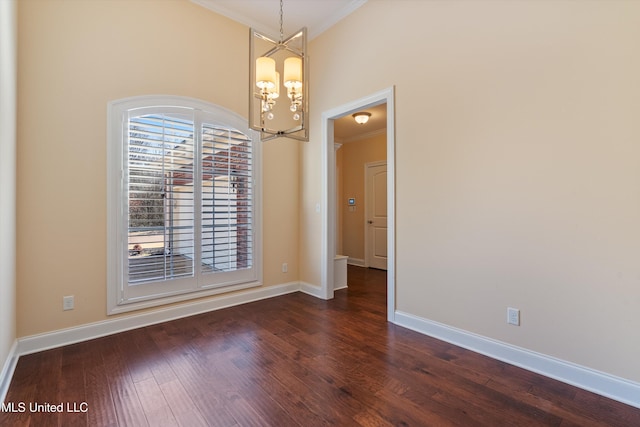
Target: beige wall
x,y
516,151
517,169
280,201
355,155
8,59
74,57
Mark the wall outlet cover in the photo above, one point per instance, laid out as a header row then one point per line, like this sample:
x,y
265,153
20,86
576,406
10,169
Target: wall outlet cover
x,y
513,316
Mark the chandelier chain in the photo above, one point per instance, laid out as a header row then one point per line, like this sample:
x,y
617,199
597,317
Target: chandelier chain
x,y
281,31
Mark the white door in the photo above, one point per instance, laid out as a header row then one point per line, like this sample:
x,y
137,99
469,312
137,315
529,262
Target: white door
x,y
376,215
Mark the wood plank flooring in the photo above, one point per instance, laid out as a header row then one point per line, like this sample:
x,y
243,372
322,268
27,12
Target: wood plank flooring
x,y
293,361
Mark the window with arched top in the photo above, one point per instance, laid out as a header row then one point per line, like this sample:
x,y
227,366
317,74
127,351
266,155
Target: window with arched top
x,y
183,202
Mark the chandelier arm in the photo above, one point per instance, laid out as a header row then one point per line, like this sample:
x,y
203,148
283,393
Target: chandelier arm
x,y
263,37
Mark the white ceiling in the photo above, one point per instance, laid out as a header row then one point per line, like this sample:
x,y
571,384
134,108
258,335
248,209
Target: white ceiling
x,y
264,15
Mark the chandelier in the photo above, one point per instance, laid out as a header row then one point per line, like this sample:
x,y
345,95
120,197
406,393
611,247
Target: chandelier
x,y
276,65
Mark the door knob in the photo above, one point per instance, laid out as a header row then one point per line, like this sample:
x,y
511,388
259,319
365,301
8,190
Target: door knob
x,y
370,222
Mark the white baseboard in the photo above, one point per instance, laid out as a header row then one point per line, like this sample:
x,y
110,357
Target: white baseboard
x,y
356,261
607,385
7,370
40,342
341,287
312,290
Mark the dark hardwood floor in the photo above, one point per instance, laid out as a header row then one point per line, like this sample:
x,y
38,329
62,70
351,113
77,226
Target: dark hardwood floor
x,y
293,361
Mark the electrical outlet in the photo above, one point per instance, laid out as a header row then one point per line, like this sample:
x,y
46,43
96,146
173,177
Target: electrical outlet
x,y
68,302
285,267
513,316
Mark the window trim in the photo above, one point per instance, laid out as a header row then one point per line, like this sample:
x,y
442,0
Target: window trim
x,y
117,110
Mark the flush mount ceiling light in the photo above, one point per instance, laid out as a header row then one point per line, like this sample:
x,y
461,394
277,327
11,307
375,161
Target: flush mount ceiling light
x,y
362,117
276,65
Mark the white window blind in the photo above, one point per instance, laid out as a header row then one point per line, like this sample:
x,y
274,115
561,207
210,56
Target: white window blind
x,y
186,202
161,217
226,200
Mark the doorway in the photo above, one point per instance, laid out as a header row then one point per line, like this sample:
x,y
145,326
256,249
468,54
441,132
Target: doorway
x,y
329,191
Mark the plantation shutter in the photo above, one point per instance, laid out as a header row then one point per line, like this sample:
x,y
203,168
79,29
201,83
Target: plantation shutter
x,y
227,194
182,201
161,221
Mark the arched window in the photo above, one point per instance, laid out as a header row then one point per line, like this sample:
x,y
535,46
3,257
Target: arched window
x,y
183,199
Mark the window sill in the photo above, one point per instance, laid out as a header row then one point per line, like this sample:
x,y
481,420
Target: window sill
x,y
130,306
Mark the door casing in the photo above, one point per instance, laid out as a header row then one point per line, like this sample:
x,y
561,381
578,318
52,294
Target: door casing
x,y
328,251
